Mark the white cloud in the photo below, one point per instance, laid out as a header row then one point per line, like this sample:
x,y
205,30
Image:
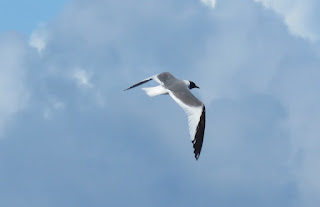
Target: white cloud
x,y
211,3
247,59
39,39
82,77
233,63
239,61
301,16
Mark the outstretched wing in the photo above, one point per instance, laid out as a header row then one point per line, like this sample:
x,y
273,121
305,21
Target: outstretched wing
x,y
196,118
162,78
140,83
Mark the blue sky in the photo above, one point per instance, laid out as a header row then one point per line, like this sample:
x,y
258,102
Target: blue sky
x,y
25,16
70,136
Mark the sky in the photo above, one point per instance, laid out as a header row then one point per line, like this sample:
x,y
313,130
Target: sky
x,y
70,135
25,16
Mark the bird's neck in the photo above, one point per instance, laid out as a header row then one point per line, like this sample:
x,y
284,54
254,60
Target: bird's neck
x,y
187,82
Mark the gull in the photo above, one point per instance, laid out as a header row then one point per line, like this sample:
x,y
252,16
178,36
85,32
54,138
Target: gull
x,y
179,90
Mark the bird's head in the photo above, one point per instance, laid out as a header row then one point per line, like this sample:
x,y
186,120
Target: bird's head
x,y
192,85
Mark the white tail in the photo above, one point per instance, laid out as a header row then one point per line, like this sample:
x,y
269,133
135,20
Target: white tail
x,y
155,91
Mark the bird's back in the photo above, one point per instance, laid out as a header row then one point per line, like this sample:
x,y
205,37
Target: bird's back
x,y
167,78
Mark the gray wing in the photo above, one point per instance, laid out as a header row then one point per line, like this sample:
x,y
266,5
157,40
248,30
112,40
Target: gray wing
x,y
165,79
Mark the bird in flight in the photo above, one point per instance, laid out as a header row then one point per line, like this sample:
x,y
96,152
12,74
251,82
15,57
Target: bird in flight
x,y
179,90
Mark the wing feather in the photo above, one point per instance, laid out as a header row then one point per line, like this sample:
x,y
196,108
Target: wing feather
x,y
155,78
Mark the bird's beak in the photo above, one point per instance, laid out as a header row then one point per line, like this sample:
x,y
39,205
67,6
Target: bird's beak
x,y
197,87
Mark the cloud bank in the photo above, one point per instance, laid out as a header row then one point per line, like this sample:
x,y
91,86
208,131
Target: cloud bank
x,y
300,16
80,140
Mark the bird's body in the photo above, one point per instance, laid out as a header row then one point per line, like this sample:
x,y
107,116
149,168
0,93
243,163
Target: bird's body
x,y
179,90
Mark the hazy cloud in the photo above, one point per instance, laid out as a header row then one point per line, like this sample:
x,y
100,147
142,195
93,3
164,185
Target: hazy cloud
x,y
243,61
300,16
39,39
82,78
53,105
211,3
13,69
260,89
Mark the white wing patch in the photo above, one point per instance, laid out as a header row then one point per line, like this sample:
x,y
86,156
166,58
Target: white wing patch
x,y
193,113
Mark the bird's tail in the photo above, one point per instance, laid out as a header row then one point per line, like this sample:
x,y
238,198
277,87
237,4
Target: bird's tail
x,y
155,91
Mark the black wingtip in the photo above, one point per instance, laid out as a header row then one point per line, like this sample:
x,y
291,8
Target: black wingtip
x,y
196,152
137,84
197,156
128,88
198,140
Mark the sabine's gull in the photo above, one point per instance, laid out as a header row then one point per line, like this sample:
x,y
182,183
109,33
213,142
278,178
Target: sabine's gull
x,y
179,91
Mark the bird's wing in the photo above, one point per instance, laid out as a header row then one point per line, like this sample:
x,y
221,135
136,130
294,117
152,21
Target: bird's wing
x,y
155,78
197,121
161,78
140,83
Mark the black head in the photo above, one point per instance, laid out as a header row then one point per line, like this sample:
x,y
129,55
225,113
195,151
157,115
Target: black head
x,y
192,85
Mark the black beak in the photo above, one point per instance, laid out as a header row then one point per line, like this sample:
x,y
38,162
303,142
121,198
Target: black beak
x,y
197,87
